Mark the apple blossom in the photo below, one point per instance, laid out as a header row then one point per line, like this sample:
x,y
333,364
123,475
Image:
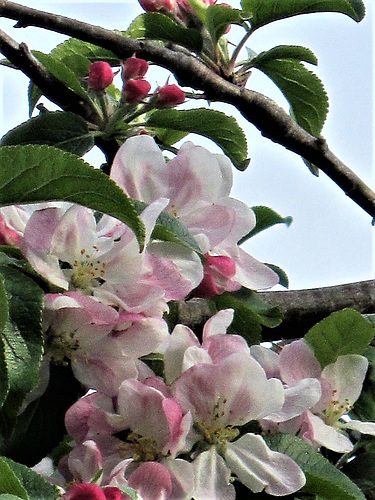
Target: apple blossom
x,y
215,220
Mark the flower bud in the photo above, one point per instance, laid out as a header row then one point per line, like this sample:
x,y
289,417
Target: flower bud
x,y
157,5
100,75
169,96
136,90
218,271
134,68
85,491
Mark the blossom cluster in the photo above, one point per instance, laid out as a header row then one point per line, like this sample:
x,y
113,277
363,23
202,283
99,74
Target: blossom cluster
x,y
183,432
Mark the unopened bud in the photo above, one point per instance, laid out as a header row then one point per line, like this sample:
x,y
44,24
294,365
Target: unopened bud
x,y
169,96
134,68
136,90
158,5
100,75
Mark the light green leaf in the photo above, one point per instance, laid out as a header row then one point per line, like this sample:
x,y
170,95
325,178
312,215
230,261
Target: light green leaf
x,y
218,18
31,174
66,131
222,129
9,483
303,89
35,485
322,478
263,12
343,332
265,218
286,52
63,73
156,26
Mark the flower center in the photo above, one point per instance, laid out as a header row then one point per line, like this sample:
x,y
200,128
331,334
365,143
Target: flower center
x,y
140,448
336,410
86,273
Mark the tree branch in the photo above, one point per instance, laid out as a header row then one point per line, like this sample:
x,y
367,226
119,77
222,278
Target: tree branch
x,y
272,121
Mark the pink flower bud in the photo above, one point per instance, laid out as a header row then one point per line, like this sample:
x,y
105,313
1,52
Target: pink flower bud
x,y
157,5
136,90
169,96
100,75
134,68
218,271
85,491
112,493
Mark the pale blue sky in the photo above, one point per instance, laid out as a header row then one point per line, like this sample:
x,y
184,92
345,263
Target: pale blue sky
x,y
331,239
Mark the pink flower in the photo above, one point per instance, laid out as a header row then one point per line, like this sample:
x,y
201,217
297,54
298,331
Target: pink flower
x,y
158,5
197,184
100,75
136,90
134,68
169,96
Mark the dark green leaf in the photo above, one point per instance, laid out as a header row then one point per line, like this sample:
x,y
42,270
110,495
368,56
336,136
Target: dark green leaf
x,y
283,277
218,18
63,130
9,482
265,217
31,174
343,332
246,321
263,12
40,428
23,341
34,94
361,471
364,407
169,228
4,315
222,129
73,47
36,486
322,478
303,89
287,52
63,73
156,26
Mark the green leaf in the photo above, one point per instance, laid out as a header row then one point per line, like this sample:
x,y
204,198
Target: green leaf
x,y
31,174
303,89
263,12
64,130
9,483
6,496
222,129
169,228
23,341
265,218
343,332
156,26
63,73
322,478
218,18
364,407
250,314
41,428
74,47
4,315
361,471
35,485
283,277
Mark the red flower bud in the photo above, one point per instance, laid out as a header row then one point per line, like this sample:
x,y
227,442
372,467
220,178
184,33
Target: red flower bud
x,y
134,68
169,96
112,493
85,491
136,90
100,75
157,5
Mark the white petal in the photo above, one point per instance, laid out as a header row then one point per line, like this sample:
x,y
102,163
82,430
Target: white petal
x,y
258,467
212,477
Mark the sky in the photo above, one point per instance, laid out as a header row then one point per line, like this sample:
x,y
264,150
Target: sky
x,y
331,239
